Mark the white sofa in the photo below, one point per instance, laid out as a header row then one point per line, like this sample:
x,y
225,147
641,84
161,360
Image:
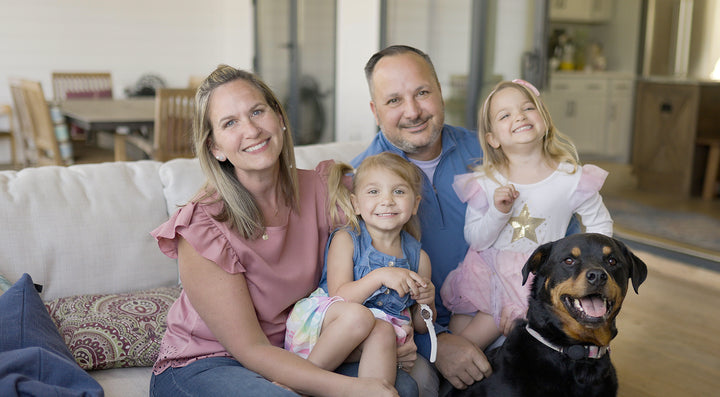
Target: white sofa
x,y
84,230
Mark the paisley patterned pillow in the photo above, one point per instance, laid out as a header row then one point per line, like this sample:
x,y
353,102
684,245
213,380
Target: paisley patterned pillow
x,y
114,330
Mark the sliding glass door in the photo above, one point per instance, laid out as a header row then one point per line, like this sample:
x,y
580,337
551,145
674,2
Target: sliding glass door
x,y
295,55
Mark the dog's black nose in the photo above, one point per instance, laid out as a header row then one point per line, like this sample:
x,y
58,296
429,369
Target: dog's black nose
x,y
596,277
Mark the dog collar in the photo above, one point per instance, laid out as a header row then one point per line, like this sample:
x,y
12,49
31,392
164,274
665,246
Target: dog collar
x,y
575,352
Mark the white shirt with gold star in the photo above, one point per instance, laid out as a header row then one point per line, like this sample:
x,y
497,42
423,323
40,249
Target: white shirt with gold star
x,y
540,214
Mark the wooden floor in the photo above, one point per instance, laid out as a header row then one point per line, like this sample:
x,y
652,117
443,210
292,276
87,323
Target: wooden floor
x,y
669,334
668,341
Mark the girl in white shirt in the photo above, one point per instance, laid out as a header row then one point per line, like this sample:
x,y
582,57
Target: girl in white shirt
x,y
524,194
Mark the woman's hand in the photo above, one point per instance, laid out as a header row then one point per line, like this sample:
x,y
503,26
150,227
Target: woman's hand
x,y
407,352
403,281
504,198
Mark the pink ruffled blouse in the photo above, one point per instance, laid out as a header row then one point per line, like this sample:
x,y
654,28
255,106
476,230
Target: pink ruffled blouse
x,y
279,271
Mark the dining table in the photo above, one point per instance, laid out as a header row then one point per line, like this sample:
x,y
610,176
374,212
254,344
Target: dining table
x,y
109,114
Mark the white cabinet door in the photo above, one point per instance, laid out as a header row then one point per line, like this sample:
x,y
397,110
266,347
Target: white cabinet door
x,y
578,109
620,112
567,9
580,10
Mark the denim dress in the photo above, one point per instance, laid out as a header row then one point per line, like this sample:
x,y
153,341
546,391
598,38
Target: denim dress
x,y
366,259
305,320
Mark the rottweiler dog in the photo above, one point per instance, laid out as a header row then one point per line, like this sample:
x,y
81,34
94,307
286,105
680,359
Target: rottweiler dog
x,y
562,349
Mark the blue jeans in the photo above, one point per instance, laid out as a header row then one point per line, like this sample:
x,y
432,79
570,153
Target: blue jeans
x,y
224,376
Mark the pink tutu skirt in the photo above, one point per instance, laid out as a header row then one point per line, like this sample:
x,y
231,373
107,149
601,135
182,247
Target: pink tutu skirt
x,y
488,281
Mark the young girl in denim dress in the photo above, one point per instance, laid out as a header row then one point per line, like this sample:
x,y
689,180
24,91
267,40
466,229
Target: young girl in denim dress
x,y
376,260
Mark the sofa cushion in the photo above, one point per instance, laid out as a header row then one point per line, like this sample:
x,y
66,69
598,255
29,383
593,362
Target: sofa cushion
x,y
308,156
181,179
114,330
34,360
84,229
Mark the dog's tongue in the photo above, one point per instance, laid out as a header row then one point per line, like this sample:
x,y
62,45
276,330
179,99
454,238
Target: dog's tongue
x,y
594,306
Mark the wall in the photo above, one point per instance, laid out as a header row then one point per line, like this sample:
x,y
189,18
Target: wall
x,y
171,38
705,39
358,37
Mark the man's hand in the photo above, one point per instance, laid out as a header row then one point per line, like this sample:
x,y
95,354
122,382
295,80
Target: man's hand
x,y
460,362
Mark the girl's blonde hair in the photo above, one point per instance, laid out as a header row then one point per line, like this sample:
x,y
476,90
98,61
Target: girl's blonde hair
x,y
340,193
239,207
557,147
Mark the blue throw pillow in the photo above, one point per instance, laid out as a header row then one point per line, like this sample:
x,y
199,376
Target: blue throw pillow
x,y
34,359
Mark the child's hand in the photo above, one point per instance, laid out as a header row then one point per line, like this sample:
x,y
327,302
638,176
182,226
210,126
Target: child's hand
x,y
403,281
426,293
504,197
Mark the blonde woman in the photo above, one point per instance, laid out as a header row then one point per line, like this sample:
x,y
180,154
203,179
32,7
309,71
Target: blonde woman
x,y
249,245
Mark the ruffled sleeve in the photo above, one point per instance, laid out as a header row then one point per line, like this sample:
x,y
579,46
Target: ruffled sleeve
x,y
323,169
591,181
587,202
209,238
469,190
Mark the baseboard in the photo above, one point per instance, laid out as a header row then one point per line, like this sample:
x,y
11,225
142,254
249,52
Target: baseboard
x,y
694,256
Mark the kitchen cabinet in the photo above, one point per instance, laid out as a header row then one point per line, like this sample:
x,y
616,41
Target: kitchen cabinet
x,y
595,111
577,107
620,108
580,10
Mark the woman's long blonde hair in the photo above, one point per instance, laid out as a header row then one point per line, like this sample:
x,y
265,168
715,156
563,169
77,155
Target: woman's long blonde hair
x,y
557,147
240,209
339,193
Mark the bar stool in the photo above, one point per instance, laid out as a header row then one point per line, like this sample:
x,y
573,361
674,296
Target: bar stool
x,y
6,112
711,167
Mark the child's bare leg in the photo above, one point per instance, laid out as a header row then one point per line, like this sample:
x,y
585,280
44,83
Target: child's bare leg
x,y
379,353
479,329
345,326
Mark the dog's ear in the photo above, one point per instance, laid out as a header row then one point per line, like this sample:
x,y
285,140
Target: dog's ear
x,y
536,259
638,268
638,271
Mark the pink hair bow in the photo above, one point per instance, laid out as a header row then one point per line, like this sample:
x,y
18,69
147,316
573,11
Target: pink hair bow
x,y
528,85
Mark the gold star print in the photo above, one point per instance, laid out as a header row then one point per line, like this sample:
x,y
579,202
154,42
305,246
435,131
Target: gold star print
x,y
524,225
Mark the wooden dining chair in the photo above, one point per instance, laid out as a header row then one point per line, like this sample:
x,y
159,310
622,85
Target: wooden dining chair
x,y
8,132
24,122
81,85
171,135
46,143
